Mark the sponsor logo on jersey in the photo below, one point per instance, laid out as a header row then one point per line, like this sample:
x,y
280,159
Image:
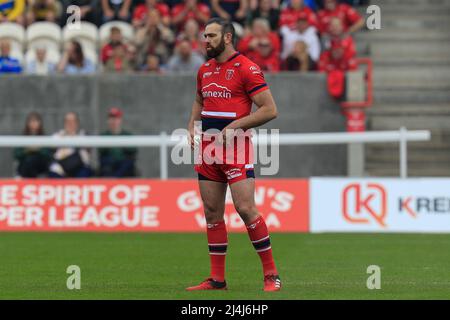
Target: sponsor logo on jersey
x,y
207,74
213,90
229,74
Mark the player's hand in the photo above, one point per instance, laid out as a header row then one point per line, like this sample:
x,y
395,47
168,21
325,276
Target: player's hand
x,y
226,136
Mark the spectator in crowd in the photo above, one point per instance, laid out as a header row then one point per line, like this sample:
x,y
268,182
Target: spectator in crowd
x,y
232,10
32,162
43,10
116,10
302,32
352,21
69,161
262,46
298,59
336,63
74,61
266,10
119,62
192,34
152,65
336,32
190,9
12,11
115,40
185,60
154,38
89,10
336,58
141,11
117,162
7,63
291,13
40,64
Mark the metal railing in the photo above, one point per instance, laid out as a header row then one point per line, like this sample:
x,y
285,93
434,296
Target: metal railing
x,y
164,141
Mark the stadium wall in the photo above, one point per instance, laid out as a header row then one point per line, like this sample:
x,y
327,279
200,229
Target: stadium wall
x,y
153,103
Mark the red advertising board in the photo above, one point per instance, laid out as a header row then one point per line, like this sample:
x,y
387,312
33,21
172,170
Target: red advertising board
x,y
140,205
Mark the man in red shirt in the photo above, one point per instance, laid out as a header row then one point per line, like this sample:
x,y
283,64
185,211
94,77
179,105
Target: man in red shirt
x,y
337,58
290,15
351,19
262,46
141,11
190,9
227,86
115,40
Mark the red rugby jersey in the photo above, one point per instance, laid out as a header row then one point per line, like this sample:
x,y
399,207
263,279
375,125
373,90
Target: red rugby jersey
x,y
227,88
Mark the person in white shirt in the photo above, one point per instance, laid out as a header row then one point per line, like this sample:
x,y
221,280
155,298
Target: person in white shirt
x,y
303,32
40,65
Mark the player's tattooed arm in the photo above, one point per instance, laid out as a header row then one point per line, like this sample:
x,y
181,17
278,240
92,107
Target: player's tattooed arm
x,y
267,110
195,116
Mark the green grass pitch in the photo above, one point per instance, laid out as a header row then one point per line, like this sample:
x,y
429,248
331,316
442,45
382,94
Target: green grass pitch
x,y
160,266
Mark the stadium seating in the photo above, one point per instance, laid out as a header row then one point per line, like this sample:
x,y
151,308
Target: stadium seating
x,y
15,33
125,28
86,34
46,34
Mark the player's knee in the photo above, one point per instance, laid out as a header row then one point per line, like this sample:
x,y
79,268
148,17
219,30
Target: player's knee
x,y
212,214
246,211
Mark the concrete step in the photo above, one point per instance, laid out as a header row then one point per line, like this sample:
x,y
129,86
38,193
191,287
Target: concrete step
x,y
411,96
410,49
407,77
412,62
419,122
401,34
409,109
375,170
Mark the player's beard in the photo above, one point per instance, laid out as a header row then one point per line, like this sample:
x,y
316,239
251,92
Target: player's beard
x,y
214,52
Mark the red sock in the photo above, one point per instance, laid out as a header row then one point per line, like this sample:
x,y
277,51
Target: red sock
x,y
259,235
217,243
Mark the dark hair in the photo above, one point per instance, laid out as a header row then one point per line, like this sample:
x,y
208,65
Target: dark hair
x,y
79,56
33,115
227,26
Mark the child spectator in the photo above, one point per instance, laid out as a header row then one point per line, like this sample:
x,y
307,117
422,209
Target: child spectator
x,y
152,65
7,63
115,40
68,161
117,162
32,161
